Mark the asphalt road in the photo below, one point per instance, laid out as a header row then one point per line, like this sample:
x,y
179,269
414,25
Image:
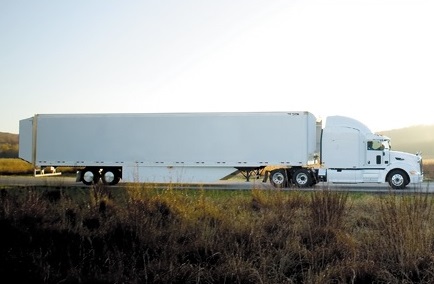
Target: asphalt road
x,y
67,181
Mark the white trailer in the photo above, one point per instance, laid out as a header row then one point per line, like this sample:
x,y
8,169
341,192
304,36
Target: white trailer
x,y
183,147
205,147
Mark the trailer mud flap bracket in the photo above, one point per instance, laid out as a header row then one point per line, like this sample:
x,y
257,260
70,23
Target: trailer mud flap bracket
x,y
41,172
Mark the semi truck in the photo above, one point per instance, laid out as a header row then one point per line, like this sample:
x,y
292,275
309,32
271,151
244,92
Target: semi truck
x,y
287,148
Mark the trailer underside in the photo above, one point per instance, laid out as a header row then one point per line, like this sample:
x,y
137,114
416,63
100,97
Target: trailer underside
x,y
111,175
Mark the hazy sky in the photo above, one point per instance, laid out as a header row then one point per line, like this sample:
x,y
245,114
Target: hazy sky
x,y
372,60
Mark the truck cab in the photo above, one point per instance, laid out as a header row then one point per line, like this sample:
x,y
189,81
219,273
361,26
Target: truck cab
x,y
351,153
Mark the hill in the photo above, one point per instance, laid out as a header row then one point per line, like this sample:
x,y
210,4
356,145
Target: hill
x,y
8,145
412,139
8,138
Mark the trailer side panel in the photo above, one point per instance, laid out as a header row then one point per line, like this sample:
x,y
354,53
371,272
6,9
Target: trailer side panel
x,y
180,140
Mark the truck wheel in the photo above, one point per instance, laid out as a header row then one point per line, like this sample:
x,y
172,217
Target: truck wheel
x,y
110,177
90,177
278,178
302,178
397,179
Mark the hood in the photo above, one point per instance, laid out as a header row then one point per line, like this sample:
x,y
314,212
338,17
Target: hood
x,y
403,156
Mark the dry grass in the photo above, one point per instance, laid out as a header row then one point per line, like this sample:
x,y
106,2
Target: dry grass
x,y
428,169
14,167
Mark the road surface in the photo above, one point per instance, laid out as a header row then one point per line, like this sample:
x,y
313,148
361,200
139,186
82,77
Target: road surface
x,y
68,181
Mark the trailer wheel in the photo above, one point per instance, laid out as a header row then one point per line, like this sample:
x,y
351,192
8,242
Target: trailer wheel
x,y
110,177
302,178
278,178
397,179
90,176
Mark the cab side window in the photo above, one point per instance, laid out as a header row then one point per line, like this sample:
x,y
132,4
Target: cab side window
x,y
375,145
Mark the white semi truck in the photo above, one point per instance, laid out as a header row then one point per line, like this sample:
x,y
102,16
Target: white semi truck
x,y
292,147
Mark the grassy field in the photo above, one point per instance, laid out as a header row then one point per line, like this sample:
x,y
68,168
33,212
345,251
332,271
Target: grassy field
x,y
143,235
10,166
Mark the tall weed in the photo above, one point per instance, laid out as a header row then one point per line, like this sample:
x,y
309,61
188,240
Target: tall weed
x,y
404,241
327,208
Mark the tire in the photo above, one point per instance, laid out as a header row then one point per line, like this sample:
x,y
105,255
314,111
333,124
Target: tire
x,y
397,179
302,178
90,176
279,178
110,177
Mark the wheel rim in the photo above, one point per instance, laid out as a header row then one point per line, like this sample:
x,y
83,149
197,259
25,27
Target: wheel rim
x,y
301,179
278,178
397,180
88,176
109,177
